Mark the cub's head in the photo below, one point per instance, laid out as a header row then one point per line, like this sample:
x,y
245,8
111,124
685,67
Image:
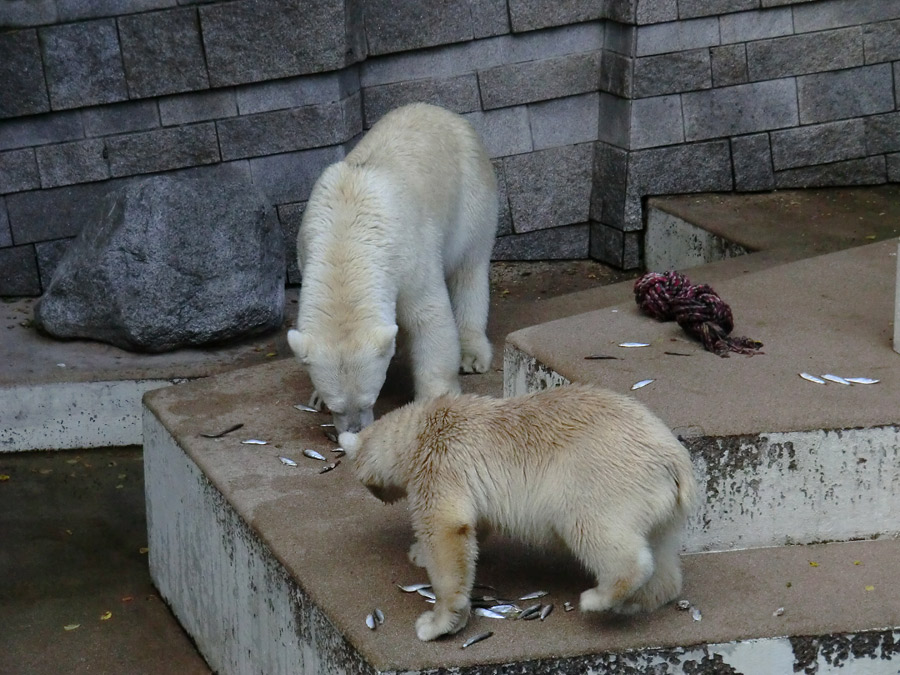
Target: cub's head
x,y
347,372
380,455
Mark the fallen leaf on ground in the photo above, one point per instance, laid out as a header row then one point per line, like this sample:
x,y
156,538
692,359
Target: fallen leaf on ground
x,y
813,563
106,616
71,626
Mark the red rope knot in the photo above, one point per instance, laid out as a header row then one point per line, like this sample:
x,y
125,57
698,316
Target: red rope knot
x,y
698,310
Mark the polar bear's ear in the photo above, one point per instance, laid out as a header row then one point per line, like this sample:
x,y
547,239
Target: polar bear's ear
x,y
300,344
350,443
384,338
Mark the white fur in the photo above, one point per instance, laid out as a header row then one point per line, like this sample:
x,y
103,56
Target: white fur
x,y
400,233
580,465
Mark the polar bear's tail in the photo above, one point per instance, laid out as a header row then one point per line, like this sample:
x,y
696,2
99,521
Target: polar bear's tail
x,y
682,473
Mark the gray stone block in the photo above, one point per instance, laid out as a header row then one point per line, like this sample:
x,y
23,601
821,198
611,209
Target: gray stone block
x,y
295,92
291,215
802,54
656,121
882,133
18,171
846,93
169,262
56,213
729,65
68,163
621,11
50,128
838,13
549,188
619,38
897,80
531,81
459,94
5,231
49,253
614,125
781,3
615,247
21,75
83,64
616,74
757,25
504,132
818,144
893,167
197,107
254,40
77,10
689,9
868,171
677,36
610,173
565,121
19,272
311,126
489,18
741,109
28,13
504,216
120,118
560,243
162,53
289,177
881,41
752,159
163,149
402,25
672,73
528,15
656,11
351,115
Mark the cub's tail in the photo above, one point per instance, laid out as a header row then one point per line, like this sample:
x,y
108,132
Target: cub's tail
x,y
682,472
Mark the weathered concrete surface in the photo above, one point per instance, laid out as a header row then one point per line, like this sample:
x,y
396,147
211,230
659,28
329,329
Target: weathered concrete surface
x,y
226,518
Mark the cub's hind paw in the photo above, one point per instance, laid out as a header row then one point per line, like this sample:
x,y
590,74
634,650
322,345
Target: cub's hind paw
x,y
431,625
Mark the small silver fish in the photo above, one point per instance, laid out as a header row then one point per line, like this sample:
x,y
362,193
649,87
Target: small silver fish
x,y
862,380
642,383
834,378
812,378
254,441
568,606
379,616
778,612
306,408
487,613
530,612
327,425
695,614
314,454
534,595
219,434
545,611
331,435
634,344
287,462
600,357
330,467
371,622
683,605
340,452
425,593
505,608
412,588
477,638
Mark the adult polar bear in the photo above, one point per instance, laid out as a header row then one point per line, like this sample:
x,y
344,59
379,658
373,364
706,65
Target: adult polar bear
x,y
399,233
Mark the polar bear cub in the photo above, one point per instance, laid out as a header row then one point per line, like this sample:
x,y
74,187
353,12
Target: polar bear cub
x,y
399,233
580,465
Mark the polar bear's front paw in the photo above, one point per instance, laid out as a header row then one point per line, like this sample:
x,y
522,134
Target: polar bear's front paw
x,y
417,554
476,355
316,401
431,625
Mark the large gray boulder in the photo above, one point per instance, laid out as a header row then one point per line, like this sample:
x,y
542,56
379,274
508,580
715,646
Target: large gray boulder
x,y
171,261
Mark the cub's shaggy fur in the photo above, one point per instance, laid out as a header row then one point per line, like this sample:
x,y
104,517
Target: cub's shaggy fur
x,y
399,233
578,464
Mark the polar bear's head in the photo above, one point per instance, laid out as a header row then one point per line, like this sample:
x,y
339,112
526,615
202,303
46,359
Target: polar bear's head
x,y
347,372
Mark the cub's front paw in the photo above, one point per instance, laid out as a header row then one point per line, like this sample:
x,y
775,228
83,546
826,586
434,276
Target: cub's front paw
x,y
476,356
417,554
431,625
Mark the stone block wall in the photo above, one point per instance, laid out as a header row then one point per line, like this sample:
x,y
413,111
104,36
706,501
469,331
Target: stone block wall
x,y
585,106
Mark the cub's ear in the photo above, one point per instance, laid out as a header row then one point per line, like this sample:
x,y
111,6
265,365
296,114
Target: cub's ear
x,y
350,443
383,337
300,344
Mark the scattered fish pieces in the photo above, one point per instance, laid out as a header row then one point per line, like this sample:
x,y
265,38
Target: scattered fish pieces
x,y
488,613
340,452
412,588
861,380
254,441
379,616
634,344
696,615
331,435
545,611
600,357
371,622
425,593
683,605
533,595
330,467
834,378
568,606
778,612
477,638
812,378
314,454
219,434
287,461
641,384
531,612
306,408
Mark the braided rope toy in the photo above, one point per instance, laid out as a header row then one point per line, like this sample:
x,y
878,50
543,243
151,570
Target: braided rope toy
x,y
698,309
